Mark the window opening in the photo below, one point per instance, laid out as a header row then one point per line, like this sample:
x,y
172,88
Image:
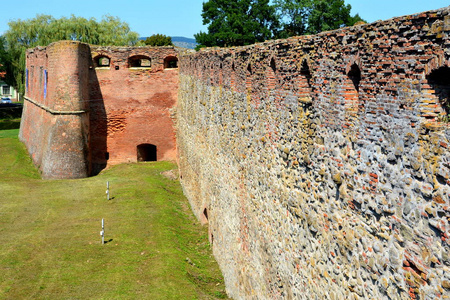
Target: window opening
x,y
139,61
146,152
45,83
102,61
6,90
170,62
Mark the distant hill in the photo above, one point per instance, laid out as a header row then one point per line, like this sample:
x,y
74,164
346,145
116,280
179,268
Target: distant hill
x,y
184,42
181,41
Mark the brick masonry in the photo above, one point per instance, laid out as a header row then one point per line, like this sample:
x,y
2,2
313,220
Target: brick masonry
x,y
321,163
89,106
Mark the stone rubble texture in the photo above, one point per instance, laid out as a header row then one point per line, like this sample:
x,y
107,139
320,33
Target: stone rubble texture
x,y
321,163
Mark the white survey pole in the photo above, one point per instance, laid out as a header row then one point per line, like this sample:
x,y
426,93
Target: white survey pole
x,y
102,233
107,190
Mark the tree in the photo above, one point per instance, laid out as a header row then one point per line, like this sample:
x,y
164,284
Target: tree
x,y
237,23
330,14
44,29
159,40
295,15
314,16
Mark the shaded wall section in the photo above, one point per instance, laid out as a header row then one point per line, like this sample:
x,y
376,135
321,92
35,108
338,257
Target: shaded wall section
x,y
321,163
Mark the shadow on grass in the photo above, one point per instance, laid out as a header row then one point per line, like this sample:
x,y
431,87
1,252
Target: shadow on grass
x,y
9,124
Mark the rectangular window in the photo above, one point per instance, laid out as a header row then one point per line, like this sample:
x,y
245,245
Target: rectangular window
x,y
26,80
6,90
45,83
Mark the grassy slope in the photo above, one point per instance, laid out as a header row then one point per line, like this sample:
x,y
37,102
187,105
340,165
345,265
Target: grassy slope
x,y
50,244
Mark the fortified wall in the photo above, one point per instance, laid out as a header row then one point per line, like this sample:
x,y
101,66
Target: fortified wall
x,y
321,163
88,107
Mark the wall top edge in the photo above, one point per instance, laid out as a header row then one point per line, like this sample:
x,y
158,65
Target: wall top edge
x,y
437,14
97,47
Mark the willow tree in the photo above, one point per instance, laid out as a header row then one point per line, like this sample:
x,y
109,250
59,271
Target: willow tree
x,y
44,29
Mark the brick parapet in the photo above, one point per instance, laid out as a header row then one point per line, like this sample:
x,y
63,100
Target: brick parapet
x,y
321,162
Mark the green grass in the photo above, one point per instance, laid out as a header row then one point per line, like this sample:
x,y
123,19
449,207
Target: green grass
x,y
50,246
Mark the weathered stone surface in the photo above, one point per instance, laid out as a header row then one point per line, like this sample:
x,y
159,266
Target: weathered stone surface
x,y
322,161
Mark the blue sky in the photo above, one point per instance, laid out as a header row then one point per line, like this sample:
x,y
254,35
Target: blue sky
x,y
180,17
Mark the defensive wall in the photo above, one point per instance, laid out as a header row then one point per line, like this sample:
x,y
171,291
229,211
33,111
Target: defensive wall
x,y
88,107
321,163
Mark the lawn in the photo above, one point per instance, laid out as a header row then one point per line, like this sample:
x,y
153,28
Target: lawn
x,y
50,243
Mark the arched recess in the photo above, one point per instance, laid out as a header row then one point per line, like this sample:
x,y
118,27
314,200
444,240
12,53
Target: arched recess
x,y
139,61
354,74
439,81
146,152
249,79
171,62
233,77
304,83
271,75
102,61
351,90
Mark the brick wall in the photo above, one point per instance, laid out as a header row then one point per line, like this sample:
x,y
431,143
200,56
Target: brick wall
x,y
321,163
55,121
131,105
88,107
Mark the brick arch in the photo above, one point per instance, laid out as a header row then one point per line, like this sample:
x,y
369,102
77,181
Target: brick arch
x,y
303,86
170,62
271,74
102,61
139,61
351,91
248,78
437,91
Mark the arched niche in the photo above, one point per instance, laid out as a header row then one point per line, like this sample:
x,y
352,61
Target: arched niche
x,y
171,62
146,152
102,61
139,61
439,81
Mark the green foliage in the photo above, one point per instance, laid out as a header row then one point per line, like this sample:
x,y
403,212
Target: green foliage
x,y
314,16
237,23
44,29
50,242
294,14
159,40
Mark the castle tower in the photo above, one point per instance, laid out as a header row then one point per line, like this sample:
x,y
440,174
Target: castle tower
x,y
56,99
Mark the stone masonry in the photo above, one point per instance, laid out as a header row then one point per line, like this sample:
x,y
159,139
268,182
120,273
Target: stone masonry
x,y
321,163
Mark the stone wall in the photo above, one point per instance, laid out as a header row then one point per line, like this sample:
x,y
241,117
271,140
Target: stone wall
x,y
321,163
88,107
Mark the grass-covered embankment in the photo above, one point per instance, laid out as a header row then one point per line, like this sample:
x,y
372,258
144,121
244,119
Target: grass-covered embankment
x,y
50,246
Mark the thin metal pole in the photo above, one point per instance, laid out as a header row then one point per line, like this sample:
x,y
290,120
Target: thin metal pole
x,y
102,233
